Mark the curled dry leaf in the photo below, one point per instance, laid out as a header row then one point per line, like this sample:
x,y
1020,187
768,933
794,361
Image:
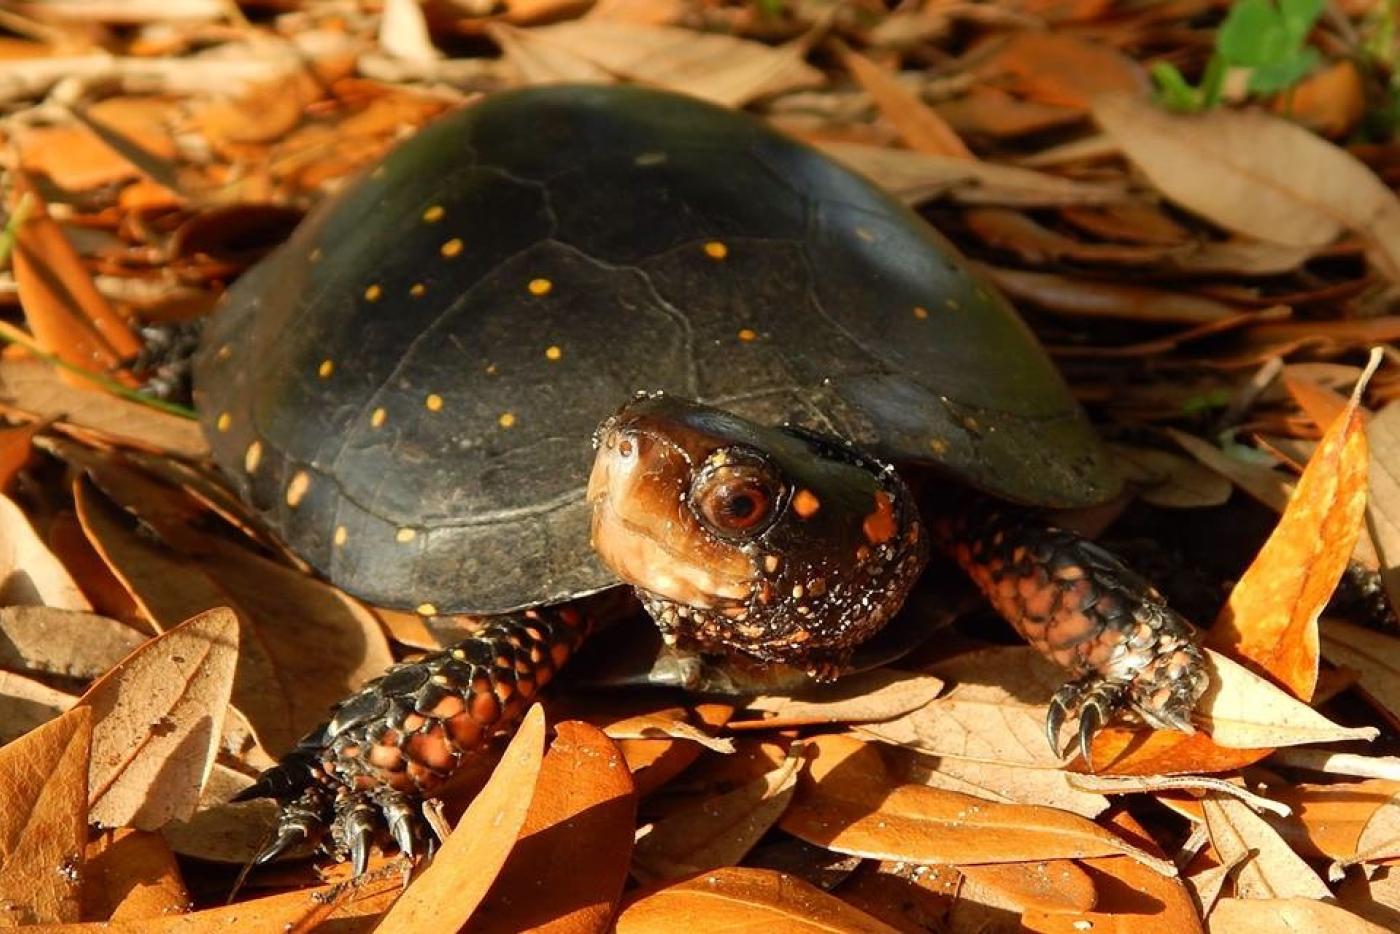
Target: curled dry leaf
x,y
1270,620
716,830
1265,484
1383,509
584,802
1373,655
29,573
1327,820
26,704
43,821
1257,174
131,875
222,830
1088,298
16,450
848,802
1270,868
1062,68
1131,899
1051,885
744,901
450,889
1271,915
63,642
669,722
919,125
36,388
158,718
997,781
879,694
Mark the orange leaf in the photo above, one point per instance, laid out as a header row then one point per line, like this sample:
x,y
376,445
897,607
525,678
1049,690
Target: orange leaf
x,y
43,821
1061,68
16,448
584,801
743,901
1271,617
131,874
450,889
1271,915
848,803
918,124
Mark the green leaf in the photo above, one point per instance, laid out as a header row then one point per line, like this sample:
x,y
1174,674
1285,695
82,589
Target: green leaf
x,y
1284,73
1253,33
1298,17
1173,90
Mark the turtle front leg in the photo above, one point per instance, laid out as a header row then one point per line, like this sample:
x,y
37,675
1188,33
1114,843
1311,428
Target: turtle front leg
x,y
400,737
1083,609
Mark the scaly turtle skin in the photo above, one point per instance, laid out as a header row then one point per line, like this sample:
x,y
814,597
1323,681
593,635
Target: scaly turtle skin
x,y
405,391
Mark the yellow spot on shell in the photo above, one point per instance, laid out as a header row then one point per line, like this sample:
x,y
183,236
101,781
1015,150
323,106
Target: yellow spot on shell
x,y
404,536
417,289
326,368
377,417
373,293
553,352
507,420
433,402
952,303
224,352
296,490
427,609
866,234
540,286
748,335
223,421
920,312
434,214
805,504
341,534
491,369
451,247
716,250
252,457
315,255
938,446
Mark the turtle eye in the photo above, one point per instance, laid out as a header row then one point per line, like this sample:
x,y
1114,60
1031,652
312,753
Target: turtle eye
x,y
736,498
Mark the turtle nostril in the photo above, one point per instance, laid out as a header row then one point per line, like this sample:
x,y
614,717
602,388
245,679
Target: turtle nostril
x,y
625,447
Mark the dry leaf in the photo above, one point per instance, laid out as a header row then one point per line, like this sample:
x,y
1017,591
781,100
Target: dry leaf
x,y
1257,174
37,389
670,721
584,802
1056,885
131,875
1270,916
716,830
1327,820
16,451
43,821
30,575
1131,899
63,642
1086,298
158,719
1269,868
744,901
223,831
1270,620
997,781
921,128
847,802
1266,485
1374,655
879,694
1168,480
1061,68
1383,508
403,32
449,890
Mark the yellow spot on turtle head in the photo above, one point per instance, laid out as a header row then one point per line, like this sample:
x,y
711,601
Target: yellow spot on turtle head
x,y
451,248
491,369
223,421
434,214
716,250
373,292
433,402
553,352
748,335
866,234
296,490
404,536
920,312
540,286
427,609
938,446
417,289
805,504
326,368
377,417
224,352
252,457
507,420
341,534
315,255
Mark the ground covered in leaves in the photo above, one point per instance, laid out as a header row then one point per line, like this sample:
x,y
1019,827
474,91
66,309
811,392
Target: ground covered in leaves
x,y
1195,210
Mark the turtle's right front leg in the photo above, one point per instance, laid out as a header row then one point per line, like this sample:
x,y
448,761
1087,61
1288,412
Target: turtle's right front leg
x,y
401,736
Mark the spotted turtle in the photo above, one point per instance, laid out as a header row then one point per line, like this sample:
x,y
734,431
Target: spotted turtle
x,y
406,392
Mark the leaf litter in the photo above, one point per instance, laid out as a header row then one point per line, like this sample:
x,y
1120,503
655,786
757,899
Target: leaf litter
x,y
1164,258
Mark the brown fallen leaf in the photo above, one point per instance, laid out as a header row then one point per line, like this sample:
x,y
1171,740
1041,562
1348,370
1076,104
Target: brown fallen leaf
x,y
35,387
1061,68
30,575
1327,820
668,722
908,898
846,801
1271,915
63,642
1265,484
584,802
26,704
158,717
1330,101
1055,885
1087,298
1038,245
448,892
1270,868
1169,480
716,830
879,694
131,875
743,901
1270,620
1383,507
43,821
222,830
919,125
1377,898
1257,174
1375,655
16,451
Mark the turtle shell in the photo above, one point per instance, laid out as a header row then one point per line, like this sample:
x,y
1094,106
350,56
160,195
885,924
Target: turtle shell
x,y
407,389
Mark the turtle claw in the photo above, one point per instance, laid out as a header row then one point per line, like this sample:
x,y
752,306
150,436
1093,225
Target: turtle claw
x,y
1055,718
288,838
1094,700
1091,718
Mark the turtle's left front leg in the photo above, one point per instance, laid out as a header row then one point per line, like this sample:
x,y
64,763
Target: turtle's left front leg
x,y
1083,609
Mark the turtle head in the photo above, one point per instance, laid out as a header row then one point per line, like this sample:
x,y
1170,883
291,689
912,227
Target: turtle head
x,y
775,543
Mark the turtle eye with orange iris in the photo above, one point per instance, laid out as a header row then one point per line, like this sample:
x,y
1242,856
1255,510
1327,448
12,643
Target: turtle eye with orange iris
x,y
736,499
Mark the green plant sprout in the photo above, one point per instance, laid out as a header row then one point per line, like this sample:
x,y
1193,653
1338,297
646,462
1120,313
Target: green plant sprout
x,y
1268,37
